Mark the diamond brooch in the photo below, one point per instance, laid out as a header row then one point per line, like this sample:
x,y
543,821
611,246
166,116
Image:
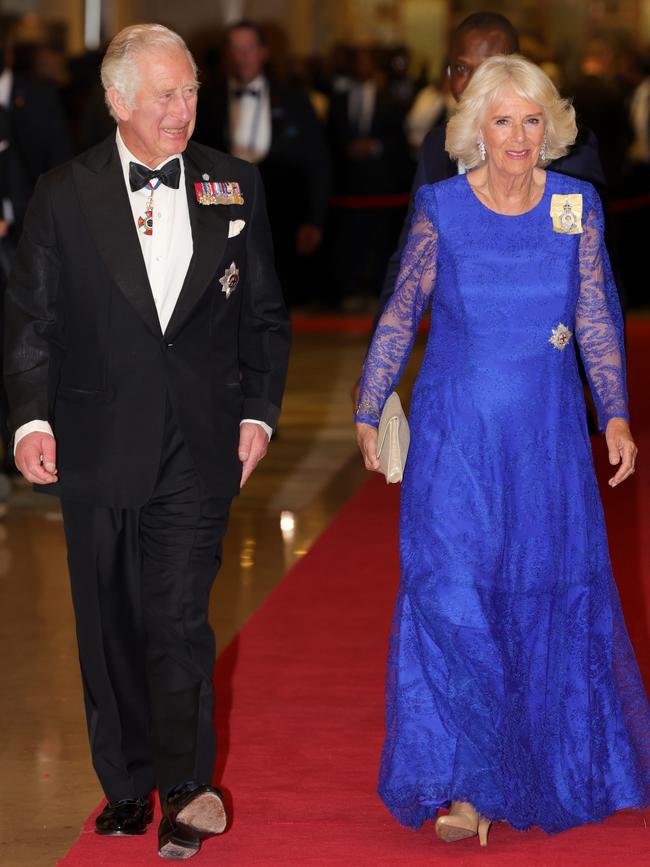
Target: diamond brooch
x,y
230,280
560,336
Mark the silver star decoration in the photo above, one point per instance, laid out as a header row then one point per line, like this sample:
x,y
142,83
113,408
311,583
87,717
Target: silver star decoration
x,y
230,279
560,336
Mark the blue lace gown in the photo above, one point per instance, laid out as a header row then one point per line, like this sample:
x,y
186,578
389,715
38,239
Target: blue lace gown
x,y
511,679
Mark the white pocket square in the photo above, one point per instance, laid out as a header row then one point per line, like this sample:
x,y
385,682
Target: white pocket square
x,y
235,227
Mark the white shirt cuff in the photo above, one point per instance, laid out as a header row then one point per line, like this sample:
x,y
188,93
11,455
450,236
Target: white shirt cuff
x,y
32,427
267,429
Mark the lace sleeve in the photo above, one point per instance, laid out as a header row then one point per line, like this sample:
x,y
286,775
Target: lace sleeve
x,y
599,321
395,334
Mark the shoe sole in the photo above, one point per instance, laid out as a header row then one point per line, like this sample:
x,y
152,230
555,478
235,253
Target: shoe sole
x,y
205,815
177,850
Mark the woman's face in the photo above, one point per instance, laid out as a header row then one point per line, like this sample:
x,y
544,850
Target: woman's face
x,y
513,131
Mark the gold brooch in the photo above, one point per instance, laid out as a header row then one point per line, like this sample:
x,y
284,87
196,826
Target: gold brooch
x,y
566,213
560,336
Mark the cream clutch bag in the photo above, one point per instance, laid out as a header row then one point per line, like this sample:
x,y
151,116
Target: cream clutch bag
x,y
393,440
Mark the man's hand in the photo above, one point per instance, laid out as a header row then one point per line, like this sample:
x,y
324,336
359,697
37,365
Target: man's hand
x,y
36,458
622,449
253,445
308,238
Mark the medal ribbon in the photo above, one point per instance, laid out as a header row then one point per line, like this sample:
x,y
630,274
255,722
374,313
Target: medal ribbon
x,y
151,187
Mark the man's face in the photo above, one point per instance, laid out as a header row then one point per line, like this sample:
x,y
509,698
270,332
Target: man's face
x,y
468,51
246,56
163,120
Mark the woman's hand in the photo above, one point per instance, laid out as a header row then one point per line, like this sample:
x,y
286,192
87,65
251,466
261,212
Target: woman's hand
x,y
367,440
622,449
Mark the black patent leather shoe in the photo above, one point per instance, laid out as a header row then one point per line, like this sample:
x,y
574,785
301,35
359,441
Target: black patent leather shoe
x,y
198,810
126,818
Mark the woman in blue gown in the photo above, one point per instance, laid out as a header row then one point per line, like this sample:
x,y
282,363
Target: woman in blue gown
x,y
513,693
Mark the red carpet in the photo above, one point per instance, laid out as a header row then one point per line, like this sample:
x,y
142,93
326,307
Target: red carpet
x,y
301,706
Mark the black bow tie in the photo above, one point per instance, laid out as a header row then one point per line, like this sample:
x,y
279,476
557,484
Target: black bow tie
x,y
245,91
169,174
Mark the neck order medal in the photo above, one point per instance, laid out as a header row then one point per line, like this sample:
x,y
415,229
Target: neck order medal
x,y
145,223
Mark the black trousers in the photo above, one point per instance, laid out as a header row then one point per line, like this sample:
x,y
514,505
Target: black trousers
x,y
141,580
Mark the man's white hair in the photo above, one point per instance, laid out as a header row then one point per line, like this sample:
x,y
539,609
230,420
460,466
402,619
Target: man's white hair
x,y
120,64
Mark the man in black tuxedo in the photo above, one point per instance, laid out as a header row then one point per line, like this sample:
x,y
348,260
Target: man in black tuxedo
x,y
273,125
33,139
370,156
147,346
478,37
37,131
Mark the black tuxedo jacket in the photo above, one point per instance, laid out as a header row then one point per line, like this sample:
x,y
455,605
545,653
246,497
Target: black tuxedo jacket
x,y
296,170
84,347
435,165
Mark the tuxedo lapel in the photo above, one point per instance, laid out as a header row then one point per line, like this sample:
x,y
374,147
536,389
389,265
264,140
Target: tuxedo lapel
x,y
105,203
209,225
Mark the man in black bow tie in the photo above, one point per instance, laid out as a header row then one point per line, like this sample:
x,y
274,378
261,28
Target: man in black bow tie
x,y
146,354
256,118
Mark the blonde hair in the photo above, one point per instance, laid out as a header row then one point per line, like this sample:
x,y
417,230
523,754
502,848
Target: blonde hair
x,y
495,77
120,64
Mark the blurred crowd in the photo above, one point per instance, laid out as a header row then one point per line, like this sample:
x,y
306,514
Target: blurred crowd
x,y
336,139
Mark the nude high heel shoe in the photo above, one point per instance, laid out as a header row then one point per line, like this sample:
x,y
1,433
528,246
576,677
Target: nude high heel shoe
x,y
462,821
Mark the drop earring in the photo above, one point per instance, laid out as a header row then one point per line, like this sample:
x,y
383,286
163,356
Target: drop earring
x,y
542,151
481,148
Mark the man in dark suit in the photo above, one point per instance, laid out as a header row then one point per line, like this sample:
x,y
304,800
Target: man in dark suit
x,y
273,125
370,155
146,352
33,138
37,128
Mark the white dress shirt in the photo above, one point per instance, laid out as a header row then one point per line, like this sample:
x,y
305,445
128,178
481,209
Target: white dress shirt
x,y
167,253
249,118
6,84
361,106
